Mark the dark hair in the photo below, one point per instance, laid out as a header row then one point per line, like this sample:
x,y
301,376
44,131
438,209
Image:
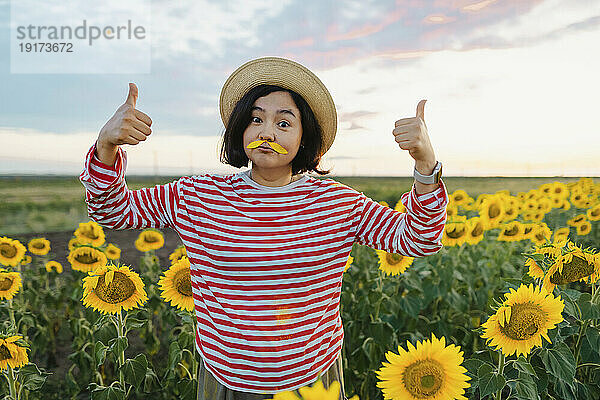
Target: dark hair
x,y
309,153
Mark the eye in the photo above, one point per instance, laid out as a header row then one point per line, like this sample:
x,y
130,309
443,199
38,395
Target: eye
x,y
285,122
252,119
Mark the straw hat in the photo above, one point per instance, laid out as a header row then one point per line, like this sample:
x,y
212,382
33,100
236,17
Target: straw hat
x,y
289,75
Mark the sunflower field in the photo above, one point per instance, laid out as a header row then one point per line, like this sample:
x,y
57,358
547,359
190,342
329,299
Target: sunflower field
x,y
509,308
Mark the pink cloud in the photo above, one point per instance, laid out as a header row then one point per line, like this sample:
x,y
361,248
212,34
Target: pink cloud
x,y
365,30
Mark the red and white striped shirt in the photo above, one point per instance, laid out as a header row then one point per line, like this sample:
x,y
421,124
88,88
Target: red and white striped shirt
x,y
266,262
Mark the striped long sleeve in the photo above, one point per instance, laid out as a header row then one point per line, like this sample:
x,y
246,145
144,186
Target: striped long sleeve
x,y
113,205
415,233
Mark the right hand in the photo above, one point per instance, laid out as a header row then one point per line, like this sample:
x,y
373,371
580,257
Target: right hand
x,y
127,125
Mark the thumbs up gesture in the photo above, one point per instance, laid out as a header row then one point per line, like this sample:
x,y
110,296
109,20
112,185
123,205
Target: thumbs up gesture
x,y
127,125
411,134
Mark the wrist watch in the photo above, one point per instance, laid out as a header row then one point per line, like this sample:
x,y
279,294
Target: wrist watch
x,y
429,179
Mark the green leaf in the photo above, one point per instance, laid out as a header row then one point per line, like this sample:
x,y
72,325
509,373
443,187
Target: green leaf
x,y
565,390
523,366
134,323
593,337
559,361
117,345
31,377
100,353
151,381
135,369
525,387
588,309
489,380
187,389
174,355
106,392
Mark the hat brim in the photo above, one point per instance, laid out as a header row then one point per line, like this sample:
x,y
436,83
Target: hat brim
x,y
289,75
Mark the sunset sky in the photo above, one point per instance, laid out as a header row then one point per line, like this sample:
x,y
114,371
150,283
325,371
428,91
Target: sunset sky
x,y
511,86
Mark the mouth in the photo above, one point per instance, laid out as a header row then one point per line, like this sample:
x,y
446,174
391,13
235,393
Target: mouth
x,y
265,148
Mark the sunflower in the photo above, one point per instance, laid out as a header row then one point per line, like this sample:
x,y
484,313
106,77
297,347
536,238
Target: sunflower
x,y
11,251
39,246
400,207
86,258
584,228
573,264
110,289
10,283
511,232
26,260
176,285
54,264
459,197
431,370
528,230
541,234
523,319
535,270
393,263
13,352
475,230
316,392
560,190
177,254
451,210
74,243
593,214
492,211
90,233
455,231
561,235
348,263
576,220
149,239
112,252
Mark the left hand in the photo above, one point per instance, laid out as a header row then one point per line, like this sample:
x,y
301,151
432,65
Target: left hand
x,y
411,134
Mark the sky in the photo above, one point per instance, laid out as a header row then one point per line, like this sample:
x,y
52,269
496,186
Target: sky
x,y
511,86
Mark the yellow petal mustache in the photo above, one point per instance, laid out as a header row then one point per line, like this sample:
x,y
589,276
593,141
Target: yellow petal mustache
x,y
277,147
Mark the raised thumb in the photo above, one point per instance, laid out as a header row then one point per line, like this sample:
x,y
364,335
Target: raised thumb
x,y
133,94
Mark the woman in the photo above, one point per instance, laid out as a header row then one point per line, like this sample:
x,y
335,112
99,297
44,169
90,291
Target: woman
x,y
268,245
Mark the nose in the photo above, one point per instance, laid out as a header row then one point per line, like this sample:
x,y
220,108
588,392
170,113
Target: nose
x,y
268,133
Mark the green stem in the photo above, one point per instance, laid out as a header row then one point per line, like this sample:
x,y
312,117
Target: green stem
x,y
11,312
500,372
194,362
12,384
122,355
577,345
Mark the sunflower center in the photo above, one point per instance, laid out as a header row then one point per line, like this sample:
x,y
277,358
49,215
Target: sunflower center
x,y
90,234
86,258
456,233
183,282
8,250
527,230
5,283
150,239
494,211
572,271
4,353
39,245
595,213
512,231
393,258
477,230
525,321
120,289
424,378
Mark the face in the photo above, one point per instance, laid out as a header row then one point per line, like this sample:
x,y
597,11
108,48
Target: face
x,y
274,118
